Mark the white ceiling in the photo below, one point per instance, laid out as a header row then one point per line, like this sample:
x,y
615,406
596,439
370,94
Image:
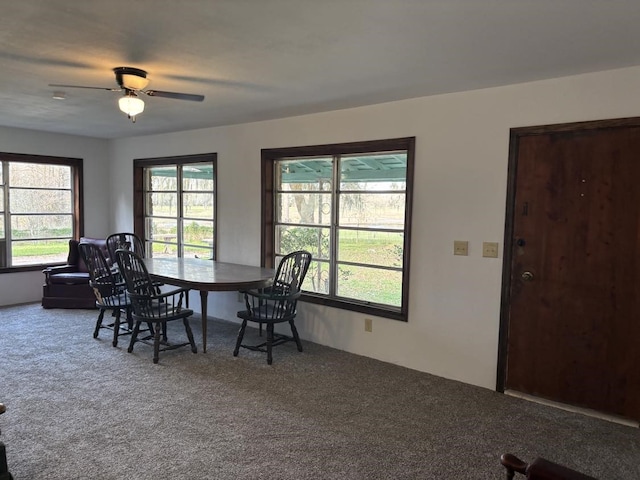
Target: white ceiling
x,y
263,59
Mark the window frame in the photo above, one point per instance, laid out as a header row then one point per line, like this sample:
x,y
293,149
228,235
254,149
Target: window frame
x,y
77,196
139,166
268,215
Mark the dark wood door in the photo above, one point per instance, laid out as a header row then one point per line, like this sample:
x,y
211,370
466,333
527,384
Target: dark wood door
x,y
571,319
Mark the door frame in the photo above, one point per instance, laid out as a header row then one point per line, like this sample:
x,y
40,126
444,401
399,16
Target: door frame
x,y
515,134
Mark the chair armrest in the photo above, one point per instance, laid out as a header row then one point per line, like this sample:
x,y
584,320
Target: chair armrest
x,y
172,293
160,305
540,469
270,307
513,464
59,269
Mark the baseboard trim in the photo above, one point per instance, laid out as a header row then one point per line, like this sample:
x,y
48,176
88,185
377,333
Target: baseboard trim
x,y
570,408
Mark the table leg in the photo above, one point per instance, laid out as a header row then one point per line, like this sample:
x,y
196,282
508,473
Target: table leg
x,y
203,309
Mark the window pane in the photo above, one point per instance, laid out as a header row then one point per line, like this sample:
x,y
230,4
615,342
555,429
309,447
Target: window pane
x,y
197,176
159,250
314,240
162,229
198,233
370,247
317,279
40,251
41,201
162,204
370,284
306,208
163,178
39,175
382,210
1,227
305,174
380,171
198,205
41,226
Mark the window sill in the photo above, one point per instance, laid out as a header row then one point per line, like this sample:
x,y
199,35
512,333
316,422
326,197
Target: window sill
x,y
366,308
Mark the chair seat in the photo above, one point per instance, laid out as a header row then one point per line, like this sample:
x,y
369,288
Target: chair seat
x,y
120,300
162,312
267,314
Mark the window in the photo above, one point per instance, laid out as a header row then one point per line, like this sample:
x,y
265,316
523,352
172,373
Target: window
x,y
40,209
175,205
350,206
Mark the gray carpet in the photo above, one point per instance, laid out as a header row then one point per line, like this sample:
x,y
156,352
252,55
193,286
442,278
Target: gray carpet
x,y
78,408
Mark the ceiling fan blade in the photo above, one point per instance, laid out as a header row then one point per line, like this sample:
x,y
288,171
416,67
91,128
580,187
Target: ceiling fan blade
x,y
177,96
81,86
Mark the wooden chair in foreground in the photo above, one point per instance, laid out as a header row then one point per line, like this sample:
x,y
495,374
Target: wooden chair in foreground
x,y
4,469
151,306
276,304
540,469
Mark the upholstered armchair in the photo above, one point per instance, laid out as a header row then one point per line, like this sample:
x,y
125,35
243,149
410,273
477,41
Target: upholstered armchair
x,y
67,286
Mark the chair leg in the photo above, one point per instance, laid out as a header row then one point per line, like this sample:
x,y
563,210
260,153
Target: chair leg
x,y
240,337
116,327
98,324
187,327
296,337
269,342
134,336
4,469
129,317
156,342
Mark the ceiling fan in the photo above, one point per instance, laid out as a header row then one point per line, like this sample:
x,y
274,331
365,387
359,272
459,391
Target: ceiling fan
x,y
133,81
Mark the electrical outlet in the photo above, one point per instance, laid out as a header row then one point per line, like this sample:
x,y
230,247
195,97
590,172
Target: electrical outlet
x,y
368,325
490,249
461,247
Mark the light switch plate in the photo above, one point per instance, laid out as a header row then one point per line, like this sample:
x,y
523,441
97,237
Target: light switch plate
x,y
490,249
460,247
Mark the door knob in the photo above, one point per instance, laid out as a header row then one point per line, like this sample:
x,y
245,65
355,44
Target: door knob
x,y
527,276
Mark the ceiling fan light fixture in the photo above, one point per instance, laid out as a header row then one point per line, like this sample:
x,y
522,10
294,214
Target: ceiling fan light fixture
x,y
131,105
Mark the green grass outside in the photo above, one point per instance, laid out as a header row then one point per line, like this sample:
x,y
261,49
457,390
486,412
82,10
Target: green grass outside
x,y
36,249
380,286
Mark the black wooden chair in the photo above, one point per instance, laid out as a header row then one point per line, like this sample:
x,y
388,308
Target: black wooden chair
x,y
276,304
109,289
4,468
151,306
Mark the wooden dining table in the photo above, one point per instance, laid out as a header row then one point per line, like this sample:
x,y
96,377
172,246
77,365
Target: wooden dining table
x,y
208,276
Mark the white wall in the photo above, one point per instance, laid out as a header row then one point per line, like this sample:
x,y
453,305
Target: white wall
x,y
27,286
